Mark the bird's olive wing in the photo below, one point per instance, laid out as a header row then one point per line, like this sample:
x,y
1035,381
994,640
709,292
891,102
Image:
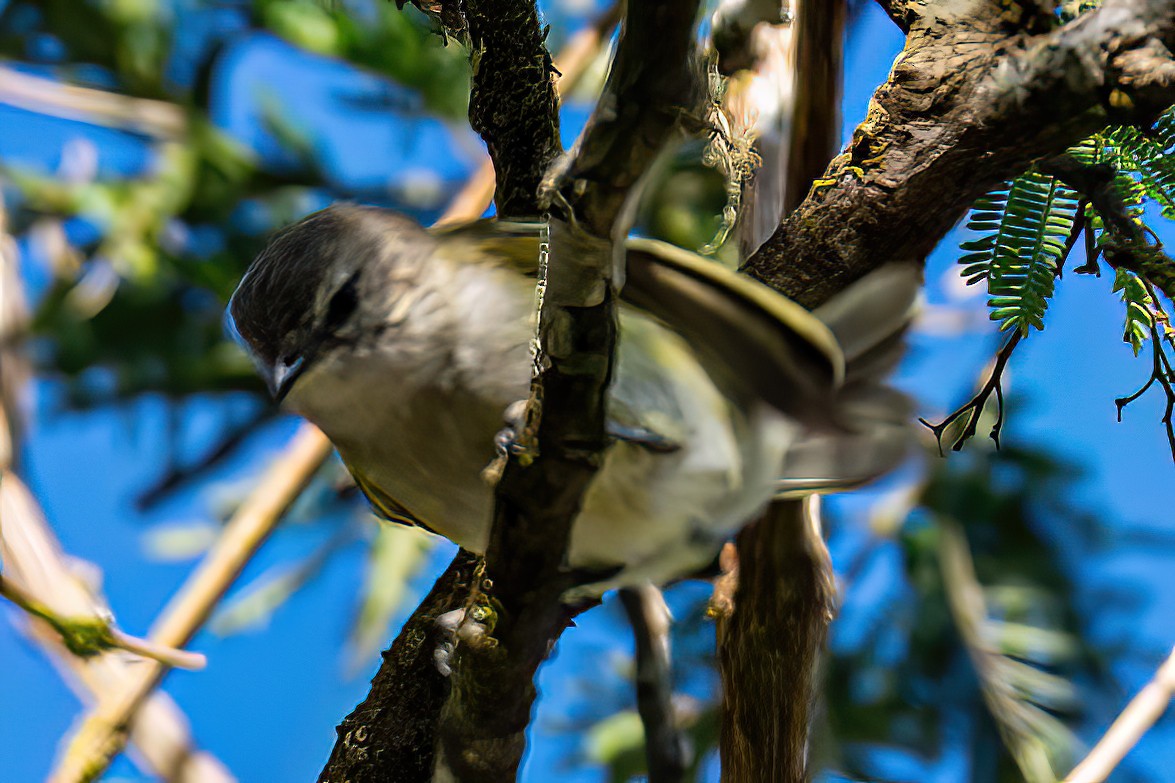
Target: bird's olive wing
x,y
741,329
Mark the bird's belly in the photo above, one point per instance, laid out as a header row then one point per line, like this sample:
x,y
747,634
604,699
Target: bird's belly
x,y
434,470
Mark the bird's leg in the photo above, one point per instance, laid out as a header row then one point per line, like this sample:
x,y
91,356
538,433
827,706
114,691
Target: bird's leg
x,y
507,441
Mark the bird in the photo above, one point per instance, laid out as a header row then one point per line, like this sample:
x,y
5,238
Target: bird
x,y
410,349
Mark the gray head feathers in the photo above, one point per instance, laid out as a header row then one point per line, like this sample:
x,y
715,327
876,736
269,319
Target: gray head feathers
x,y
312,276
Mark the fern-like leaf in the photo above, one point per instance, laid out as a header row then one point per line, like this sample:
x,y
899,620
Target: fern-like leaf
x,y
1138,301
1024,226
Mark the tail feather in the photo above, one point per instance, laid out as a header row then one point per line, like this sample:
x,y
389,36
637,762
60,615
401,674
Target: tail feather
x,y
869,320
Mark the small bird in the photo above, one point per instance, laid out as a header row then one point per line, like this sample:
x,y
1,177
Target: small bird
x,y
410,349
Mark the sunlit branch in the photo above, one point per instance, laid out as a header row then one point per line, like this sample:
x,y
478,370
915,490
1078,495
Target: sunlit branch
x,y
86,636
45,96
1143,711
103,732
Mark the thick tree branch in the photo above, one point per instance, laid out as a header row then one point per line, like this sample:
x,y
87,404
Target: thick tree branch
x,y
513,104
970,102
518,608
769,646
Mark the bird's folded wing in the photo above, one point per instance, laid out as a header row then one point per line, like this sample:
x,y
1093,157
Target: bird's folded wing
x,y
740,328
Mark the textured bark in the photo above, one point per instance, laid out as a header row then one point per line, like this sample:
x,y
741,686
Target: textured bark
x,y
391,735
769,647
972,100
512,103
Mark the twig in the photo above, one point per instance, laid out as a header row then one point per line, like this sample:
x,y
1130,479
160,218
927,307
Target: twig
x,y
177,477
103,732
154,118
667,749
1162,372
973,409
1143,711
87,636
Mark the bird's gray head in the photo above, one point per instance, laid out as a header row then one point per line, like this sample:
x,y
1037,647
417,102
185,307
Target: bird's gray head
x,y
310,290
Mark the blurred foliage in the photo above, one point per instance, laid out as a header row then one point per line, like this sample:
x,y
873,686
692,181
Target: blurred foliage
x,y
166,246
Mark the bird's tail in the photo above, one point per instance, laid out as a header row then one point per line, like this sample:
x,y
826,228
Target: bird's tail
x,y
869,320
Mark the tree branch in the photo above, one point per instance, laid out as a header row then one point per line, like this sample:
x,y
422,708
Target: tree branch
x,y
667,749
517,609
968,104
1143,711
513,104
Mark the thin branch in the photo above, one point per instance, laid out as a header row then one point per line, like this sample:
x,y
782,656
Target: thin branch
x,y
1163,373
973,408
1143,711
86,636
667,749
104,730
159,119
177,477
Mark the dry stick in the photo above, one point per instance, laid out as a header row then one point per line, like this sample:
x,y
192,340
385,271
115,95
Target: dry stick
x,y
104,730
1143,711
99,107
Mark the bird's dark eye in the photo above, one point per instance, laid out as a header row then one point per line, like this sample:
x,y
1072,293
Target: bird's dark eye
x,y
343,303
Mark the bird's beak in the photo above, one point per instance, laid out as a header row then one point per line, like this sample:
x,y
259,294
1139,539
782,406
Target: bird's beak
x,y
282,376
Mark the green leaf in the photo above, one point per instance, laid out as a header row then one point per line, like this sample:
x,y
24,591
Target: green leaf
x,y
1024,225
1138,303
